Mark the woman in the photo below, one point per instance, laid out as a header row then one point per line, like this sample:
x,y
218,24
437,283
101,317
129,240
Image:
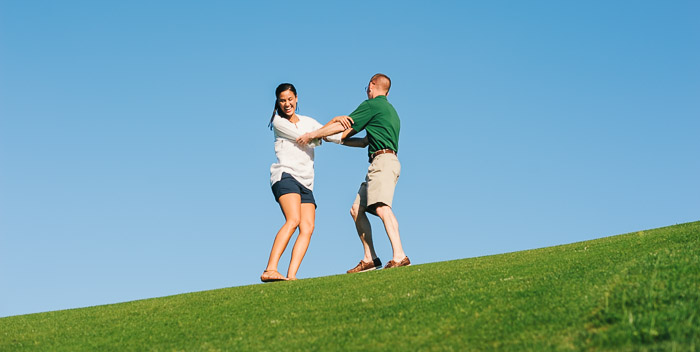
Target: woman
x,y
292,179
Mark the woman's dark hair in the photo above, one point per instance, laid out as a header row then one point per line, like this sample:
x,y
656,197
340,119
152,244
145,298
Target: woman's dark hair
x,y
281,88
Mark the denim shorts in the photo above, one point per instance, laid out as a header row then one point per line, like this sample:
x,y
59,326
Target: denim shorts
x,y
288,184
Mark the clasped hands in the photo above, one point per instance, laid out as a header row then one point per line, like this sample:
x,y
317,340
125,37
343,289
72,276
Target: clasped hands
x,y
345,121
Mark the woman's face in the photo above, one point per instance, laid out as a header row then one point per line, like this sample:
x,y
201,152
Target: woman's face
x,y
287,103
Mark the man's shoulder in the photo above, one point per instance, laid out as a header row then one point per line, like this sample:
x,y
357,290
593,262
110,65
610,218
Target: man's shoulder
x,y
379,102
361,109
382,103
365,102
374,103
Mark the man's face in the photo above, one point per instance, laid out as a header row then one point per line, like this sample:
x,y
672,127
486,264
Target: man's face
x,y
370,90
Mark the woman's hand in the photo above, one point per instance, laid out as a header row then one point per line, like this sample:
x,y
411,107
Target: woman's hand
x,y
304,139
345,121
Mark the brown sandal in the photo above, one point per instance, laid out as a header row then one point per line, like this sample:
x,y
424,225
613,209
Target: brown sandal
x,y
272,278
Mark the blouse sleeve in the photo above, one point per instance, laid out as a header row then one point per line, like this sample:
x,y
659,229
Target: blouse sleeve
x,y
285,130
336,138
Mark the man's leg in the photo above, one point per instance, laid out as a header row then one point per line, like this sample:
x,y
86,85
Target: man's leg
x,y
364,231
392,230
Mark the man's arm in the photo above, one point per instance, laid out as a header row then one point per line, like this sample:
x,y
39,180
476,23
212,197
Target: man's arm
x,y
356,142
334,126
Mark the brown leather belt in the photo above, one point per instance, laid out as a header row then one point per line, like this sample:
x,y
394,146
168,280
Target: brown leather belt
x,y
379,152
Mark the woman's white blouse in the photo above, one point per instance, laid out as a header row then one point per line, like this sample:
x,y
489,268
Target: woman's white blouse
x,y
293,158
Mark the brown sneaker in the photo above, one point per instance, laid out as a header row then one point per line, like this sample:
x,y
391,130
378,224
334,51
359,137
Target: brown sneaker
x,y
393,264
363,266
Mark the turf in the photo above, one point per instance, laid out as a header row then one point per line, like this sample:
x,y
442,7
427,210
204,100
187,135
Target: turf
x,y
635,292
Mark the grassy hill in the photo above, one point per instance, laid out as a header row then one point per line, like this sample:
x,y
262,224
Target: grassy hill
x,y
639,291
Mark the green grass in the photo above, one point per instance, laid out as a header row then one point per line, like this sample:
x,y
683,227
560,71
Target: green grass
x,y
639,291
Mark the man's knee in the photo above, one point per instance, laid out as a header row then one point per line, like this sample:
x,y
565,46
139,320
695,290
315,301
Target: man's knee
x,y
356,210
382,209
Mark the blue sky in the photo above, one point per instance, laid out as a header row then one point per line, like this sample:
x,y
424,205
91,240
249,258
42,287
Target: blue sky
x,y
134,152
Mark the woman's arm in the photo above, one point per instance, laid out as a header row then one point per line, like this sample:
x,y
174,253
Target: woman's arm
x,y
336,125
346,121
289,132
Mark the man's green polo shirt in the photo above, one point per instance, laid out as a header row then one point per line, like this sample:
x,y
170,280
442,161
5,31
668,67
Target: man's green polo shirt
x,y
381,121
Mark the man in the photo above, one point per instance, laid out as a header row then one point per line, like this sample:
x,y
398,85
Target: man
x,y
381,122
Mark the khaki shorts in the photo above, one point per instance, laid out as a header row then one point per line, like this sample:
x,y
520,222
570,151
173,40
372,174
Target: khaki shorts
x,y
380,182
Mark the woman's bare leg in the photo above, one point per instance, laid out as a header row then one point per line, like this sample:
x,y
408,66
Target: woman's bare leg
x,y
291,208
306,228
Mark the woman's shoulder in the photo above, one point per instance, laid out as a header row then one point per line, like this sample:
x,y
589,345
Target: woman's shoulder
x,y
306,118
309,121
278,119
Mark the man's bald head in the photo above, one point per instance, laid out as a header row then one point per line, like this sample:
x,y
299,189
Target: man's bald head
x,y
382,82
378,85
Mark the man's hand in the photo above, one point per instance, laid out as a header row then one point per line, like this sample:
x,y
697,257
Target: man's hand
x,y
305,138
345,121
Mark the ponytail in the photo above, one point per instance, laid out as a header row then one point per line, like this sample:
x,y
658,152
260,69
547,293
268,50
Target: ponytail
x,y
274,112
